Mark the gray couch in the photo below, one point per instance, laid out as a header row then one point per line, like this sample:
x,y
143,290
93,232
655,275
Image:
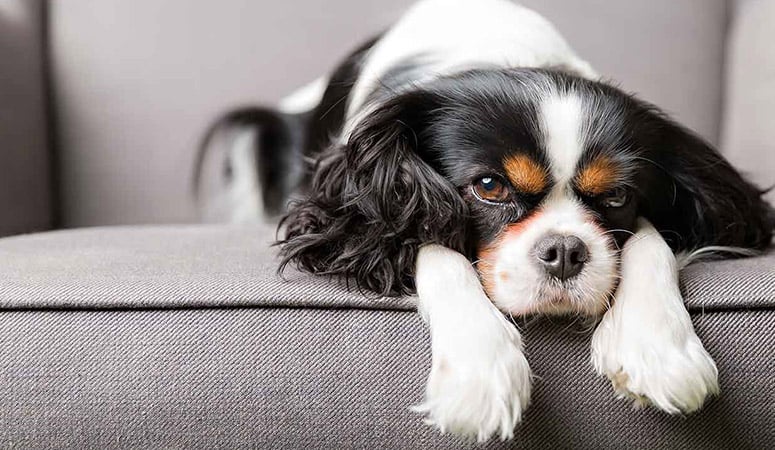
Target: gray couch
x,y
183,336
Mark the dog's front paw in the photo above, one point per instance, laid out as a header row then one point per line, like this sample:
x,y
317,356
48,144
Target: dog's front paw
x,y
667,368
479,386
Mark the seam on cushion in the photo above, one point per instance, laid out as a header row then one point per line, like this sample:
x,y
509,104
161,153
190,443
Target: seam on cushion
x,y
58,304
694,310
728,309
202,307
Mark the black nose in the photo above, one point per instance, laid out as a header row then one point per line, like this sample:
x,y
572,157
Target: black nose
x,y
562,257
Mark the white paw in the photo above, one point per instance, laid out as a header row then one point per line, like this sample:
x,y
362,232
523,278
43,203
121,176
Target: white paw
x,y
664,367
479,385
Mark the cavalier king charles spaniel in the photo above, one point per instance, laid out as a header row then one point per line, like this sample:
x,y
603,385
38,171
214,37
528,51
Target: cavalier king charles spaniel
x,y
468,156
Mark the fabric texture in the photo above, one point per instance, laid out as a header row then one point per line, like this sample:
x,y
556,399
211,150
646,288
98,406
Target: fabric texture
x,y
289,378
161,267
184,337
224,266
25,179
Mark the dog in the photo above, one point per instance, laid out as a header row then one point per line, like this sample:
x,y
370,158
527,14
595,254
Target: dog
x,y
467,155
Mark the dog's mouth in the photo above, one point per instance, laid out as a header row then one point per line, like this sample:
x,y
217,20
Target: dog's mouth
x,y
554,297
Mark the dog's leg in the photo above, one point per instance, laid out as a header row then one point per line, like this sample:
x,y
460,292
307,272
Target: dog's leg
x,y
479,383
645,343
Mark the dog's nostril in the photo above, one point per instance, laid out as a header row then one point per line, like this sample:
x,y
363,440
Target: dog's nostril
x,y
562,257
550,255
577,251
549,249
575,258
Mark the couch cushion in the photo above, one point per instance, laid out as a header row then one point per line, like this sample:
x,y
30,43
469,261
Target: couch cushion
x,y
229,266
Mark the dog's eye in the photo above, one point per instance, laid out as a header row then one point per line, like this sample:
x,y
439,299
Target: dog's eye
x,y
616,198
490,189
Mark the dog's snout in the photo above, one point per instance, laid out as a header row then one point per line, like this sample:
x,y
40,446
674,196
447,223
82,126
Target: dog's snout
x,y
561,256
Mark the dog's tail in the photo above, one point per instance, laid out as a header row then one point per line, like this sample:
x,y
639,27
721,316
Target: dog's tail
x,y
249,164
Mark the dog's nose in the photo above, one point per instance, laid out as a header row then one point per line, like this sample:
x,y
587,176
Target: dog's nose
x,y
561,256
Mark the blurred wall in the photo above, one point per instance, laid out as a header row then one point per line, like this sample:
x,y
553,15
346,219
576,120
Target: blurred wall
x,y
138,81
748,134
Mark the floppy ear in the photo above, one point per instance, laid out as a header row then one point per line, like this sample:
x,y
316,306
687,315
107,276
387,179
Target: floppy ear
x,y
696,198
373,202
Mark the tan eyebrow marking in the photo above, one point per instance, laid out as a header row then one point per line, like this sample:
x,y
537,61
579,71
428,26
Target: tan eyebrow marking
x,y
525,174
597,177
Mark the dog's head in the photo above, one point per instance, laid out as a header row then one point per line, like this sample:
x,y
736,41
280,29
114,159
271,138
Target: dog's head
x,y
538,176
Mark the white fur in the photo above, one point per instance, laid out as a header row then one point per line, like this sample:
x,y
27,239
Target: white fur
x,y
479,383
450,36
561,125
244,192
239,200
520,285
646,344
304,98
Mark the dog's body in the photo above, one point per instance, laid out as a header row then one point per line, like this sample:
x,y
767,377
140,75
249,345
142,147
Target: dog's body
x,y
470,131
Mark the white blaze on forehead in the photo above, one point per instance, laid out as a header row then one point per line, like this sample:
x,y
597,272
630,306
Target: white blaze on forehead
x,y
561,126
450,36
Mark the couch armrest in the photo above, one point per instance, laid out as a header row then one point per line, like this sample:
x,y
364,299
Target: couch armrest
x,y
25,183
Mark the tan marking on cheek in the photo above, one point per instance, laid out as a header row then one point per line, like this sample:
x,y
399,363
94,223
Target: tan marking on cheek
x,y
598,177
525,174
487,255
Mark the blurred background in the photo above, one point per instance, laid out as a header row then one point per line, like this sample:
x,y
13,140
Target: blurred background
x,y
103,102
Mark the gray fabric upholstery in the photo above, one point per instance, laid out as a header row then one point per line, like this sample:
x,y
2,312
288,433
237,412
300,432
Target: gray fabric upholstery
x,y
229,266
329,378
182,337
25,203
158,267
137,82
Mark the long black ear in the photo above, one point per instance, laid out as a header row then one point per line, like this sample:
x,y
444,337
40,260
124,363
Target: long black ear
x,y
696,198
372,202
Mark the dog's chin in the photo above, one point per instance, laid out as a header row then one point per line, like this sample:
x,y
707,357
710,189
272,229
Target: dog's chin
x,y
555,298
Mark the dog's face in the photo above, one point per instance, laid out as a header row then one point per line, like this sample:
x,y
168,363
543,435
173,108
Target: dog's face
x,y
538,176
547,166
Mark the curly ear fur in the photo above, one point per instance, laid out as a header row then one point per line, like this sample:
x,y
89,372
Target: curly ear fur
x,y
702,200
372,203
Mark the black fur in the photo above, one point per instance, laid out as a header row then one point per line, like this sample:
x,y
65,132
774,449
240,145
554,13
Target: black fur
x,y
327,118
403,178
695,197
371,204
